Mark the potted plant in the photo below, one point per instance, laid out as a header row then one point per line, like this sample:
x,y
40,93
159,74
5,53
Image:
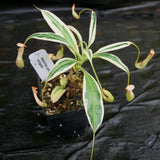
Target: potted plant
x,y
69,86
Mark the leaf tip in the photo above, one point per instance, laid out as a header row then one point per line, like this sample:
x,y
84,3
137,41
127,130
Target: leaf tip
x,y
36,7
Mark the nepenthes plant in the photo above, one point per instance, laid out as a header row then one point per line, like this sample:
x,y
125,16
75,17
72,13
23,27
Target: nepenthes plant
x,y
93,93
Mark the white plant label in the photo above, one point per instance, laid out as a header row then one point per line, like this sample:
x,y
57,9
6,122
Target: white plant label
x,y
40,63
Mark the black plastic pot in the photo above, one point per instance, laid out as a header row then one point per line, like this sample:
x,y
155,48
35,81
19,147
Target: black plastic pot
x,y
67,124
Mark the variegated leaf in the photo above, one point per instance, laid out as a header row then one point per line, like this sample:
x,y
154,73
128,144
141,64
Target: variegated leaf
x,y
60,67
88,54
114,46
60,28
112,59
92,29
47,36
57,93
93,101
73,29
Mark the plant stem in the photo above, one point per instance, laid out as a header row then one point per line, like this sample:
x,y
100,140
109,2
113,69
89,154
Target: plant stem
x,y
96,77
86,9
128,78
138,52
93,140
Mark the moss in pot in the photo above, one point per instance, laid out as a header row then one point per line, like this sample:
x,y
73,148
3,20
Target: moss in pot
x,y
64,93
59,89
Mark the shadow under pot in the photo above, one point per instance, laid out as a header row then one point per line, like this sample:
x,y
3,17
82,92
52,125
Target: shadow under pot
x,y
67,124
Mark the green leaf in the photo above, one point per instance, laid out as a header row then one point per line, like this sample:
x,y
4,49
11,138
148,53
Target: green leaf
x,y
60,67
112,59
48,36
60,28
57,93
92,29
92,100
114,46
